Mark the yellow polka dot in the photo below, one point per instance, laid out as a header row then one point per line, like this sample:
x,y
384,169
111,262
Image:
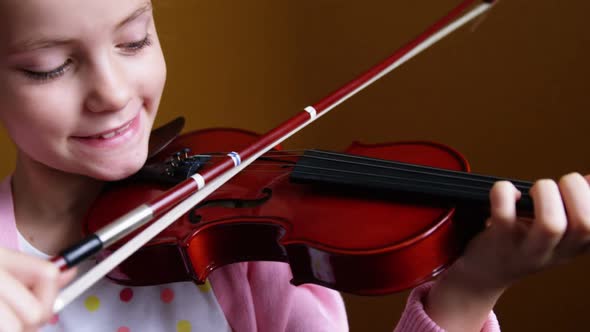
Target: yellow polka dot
x,y
205,287
92,303
183,326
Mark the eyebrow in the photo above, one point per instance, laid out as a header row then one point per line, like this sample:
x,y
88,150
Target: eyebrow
x,y
147,6
34,44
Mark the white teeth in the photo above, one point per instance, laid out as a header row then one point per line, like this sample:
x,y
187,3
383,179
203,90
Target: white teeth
x,y
109,135
116,132
123,128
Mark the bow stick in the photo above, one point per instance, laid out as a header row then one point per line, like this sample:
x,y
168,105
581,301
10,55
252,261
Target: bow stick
x,y
172,204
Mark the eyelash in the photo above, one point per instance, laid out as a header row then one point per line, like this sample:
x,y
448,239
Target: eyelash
x,y
133,48
137,46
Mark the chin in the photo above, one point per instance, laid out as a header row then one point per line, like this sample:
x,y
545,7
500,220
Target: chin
x,y
112,176
116,170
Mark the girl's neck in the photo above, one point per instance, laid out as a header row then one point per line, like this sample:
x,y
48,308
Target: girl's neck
x,y
49,205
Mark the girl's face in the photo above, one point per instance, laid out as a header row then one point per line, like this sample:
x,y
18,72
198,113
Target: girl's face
x,y
80,82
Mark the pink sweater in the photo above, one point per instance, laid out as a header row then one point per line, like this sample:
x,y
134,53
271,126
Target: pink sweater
x,y
257,296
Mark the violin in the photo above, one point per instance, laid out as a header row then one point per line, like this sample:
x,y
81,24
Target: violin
x,y
342,220
375,219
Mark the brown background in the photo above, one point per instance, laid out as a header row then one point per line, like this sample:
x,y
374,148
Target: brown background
x,y
509,93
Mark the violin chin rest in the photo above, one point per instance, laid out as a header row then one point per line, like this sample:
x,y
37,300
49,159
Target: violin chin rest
x,y
164,135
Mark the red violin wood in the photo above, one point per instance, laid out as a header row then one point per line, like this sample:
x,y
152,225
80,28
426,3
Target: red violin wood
x,y
355,240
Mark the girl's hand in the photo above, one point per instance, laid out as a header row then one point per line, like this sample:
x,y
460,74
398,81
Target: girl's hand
x,y
511,248
28,287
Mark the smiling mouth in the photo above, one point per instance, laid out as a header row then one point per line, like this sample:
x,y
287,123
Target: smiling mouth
x,y
112,133
109,134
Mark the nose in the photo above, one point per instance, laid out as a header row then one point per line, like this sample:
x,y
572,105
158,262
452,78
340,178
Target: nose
x,y
108,87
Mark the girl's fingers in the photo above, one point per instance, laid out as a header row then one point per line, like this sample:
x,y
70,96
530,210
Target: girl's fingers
x,y
66,276
575,192
20,300
503,197
28,269
9,320
550,221
42,278
46,291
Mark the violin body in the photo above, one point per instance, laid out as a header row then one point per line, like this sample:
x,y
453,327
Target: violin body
x,y
348,238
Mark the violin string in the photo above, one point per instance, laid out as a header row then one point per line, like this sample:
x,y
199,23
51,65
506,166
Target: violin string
x,y
393,180
408,169
420,169
463,181
414,167
403,176
403,184
286,153
437,173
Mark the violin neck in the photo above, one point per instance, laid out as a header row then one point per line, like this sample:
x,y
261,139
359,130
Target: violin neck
x,y
436,185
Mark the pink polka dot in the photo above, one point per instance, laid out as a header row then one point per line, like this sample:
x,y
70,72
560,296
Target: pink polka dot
x,y
123,329
126,294
167,295
54,319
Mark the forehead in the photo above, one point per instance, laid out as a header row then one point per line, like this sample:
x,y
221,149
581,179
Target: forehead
x,y
22,20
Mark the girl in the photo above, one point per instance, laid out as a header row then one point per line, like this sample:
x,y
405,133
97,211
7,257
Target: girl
x,y
80,84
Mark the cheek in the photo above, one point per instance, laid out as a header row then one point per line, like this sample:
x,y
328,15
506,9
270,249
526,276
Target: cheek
x,y
36,115
152,81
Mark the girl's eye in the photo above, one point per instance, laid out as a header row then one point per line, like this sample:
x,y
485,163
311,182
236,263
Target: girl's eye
x,y
132,47
48,75
136,46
